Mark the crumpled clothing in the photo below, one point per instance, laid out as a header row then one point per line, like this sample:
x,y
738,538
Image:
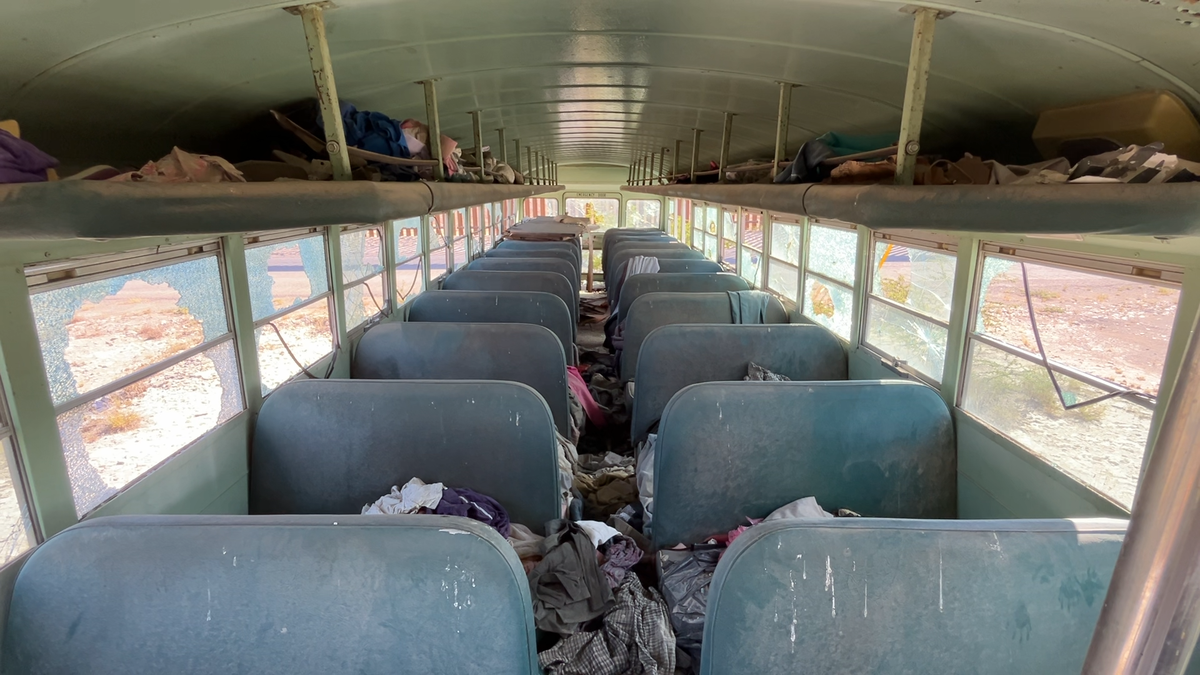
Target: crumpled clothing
x,y
184,167
807,167
568,463
527,545
686,578
567,586
374,132
628,530
756,373
21,161
738,531
645,480
576,418
414,496
620,554
610,396
598,532
584,396
592,463
468,503
636,639
749,307
801,508
606,491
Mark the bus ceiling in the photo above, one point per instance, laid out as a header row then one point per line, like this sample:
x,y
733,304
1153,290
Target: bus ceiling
x,y
586,83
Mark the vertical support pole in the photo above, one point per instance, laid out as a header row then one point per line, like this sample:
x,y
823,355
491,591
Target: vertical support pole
x,y
516,165
675,160
629,180
1151,600
725,137
477,133
662,165
781,128
503,156
914,94
313,18
435,129
528,165
641,170
650,169
695,152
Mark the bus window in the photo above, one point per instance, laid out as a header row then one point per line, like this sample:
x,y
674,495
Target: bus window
x,y
751,264
289,293
908,306
696,239
783,267
409,276
458,252
829,277
140,364
475,220
539,206
1102,333
729,236
362,275
16,521
712,244
643,213
439,247
603,212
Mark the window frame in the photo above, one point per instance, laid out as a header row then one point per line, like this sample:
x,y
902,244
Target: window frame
x,y
386,286
446,245
280,237
806,269
763,218
769,254
17,472
930,243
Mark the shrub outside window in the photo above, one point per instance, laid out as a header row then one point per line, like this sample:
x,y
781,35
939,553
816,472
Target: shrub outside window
x,y
908,306
831,258
643,213
603,211
140,358
1103,332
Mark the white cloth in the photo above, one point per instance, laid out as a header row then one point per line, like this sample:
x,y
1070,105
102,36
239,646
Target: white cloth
x,y
598,532
414,496
801,508
641,264
645,479
524,541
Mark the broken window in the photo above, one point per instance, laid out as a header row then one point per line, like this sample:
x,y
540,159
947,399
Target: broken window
x,y
829,276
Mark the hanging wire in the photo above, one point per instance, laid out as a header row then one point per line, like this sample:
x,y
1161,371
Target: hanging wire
x,y
303,368
1037,336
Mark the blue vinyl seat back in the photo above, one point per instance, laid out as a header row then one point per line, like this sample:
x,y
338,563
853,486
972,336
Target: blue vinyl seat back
x,y
615,273
545,282
285,595
893,597
513,352
525,265
543,309
640,284
655,310
511,253
332,446
728,451
571,247
688,265
613,236
619,251
674,357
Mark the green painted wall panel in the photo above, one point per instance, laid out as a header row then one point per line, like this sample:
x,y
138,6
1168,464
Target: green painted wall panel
x,y
975,503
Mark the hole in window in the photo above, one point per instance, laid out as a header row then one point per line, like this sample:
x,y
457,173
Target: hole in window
x,y
783,279
439,245
643,213
364,301
785,242
832,252
306,337
829,304
909,305
1101,334
410,281
604,213
152,343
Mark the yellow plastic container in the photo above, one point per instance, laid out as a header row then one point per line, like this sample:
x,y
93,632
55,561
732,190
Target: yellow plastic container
x,y
1139,118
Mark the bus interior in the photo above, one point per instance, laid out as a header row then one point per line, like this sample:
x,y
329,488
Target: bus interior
x,y
780,336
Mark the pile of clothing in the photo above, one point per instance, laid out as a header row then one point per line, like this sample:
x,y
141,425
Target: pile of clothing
x,y
687,574
584,591
417,496
21,161
607,483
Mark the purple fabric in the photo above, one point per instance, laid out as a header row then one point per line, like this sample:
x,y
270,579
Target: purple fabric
x,y
21,161
470,504
620,554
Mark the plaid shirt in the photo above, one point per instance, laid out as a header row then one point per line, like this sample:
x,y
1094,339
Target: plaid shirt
x,y
636,639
